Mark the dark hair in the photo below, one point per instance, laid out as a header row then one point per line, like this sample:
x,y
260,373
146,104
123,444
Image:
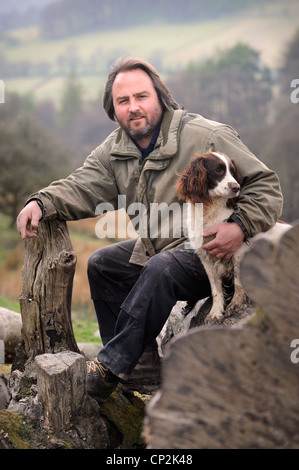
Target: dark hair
x,y
126,64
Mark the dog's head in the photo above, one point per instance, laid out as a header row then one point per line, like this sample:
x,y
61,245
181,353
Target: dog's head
x,y
209,175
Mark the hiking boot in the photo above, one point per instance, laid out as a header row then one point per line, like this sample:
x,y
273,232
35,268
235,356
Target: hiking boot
x,y
146,377
100,382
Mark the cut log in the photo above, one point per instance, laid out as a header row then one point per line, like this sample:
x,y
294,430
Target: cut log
x,y
236,387
61,387
49,267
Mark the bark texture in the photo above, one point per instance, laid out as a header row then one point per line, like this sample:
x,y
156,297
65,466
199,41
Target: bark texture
x,y
48,271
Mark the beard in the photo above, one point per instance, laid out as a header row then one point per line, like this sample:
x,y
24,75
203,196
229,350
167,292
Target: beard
x,y
145,130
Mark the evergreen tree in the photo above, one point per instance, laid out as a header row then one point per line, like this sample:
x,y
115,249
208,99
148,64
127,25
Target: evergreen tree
x,y
71,101
30,158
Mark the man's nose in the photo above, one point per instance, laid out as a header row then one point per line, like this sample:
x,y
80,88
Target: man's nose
x,y
134,106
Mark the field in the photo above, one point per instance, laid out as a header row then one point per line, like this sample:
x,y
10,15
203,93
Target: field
x,y
267,28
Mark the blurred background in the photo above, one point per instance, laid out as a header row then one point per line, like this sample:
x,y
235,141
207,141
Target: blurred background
x,y
234,62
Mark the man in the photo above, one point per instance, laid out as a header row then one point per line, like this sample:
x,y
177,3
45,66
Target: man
x,y
134,284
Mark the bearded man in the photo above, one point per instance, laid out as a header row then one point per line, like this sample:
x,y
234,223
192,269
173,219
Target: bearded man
x,y
135,283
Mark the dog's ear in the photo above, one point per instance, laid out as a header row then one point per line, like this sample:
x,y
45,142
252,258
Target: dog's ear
x,y
235,171
192,184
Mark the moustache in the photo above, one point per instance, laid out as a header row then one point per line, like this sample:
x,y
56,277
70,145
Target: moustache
x,y
135,116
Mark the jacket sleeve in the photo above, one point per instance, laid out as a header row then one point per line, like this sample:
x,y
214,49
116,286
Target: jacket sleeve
x,y
77,196
260,202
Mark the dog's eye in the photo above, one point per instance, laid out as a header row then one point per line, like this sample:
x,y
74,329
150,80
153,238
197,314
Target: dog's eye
x,y
219,170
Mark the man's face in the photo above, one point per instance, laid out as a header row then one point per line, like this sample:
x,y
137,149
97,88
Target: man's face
x,y
137,107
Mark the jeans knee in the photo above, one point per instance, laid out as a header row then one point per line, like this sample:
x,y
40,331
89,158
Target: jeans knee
x,y
161,264
94,262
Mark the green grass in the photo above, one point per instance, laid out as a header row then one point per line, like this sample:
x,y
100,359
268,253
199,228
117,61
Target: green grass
x,y
84,331
10,304
9,238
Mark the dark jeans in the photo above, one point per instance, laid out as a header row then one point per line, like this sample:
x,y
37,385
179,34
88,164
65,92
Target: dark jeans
x,y
133,302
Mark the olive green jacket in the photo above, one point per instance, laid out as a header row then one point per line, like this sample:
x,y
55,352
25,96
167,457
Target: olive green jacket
x,y
115,168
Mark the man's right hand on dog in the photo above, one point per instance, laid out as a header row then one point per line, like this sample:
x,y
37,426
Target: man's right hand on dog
x,y
31,214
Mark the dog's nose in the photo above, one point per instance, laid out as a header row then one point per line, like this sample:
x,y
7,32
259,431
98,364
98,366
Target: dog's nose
x,y
234,187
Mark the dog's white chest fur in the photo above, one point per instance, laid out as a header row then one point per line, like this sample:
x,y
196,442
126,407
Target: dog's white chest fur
x,y
200,219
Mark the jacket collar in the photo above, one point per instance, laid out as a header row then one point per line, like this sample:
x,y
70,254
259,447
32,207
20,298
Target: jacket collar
x,y
167,141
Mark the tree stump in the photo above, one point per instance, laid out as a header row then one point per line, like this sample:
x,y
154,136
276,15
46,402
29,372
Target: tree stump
x,y
48,271
61,386
237,387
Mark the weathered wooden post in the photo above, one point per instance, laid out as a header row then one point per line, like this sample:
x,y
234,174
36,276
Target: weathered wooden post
x,y
49,267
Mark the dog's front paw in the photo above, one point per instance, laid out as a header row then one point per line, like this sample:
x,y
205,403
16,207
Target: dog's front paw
x,y
213,317
238,302
232,310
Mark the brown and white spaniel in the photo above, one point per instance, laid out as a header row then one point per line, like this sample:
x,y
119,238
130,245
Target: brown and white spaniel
x,y
210,185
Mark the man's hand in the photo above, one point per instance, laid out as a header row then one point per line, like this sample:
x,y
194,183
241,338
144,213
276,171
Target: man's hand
x,y
229,237
31,214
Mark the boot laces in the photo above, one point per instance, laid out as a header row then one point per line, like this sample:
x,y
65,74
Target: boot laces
x,y
96,365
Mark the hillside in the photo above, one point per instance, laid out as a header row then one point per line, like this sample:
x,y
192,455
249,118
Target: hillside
x,y
40,65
